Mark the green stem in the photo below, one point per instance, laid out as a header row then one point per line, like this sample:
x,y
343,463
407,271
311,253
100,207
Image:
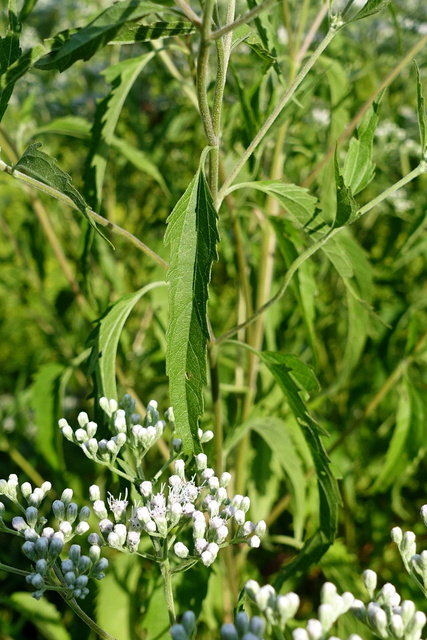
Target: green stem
x,y
54,193
203,74
283,101
167,584
191,15
422,168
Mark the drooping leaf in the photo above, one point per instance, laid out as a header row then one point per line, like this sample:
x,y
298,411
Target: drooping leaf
x,y
421,112
41,167
131,33
122,77
359,169
295,200
105,339
42,614
395,459
370,8
46,403
192,236
346,204
329,498
85,42
275,433
9,53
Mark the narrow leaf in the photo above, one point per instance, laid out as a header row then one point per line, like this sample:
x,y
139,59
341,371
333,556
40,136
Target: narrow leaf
x,y
328,489
19,67
104,341
43,615
192,235
421,112
122,77
346,204
370,8
141,161
359,169
41,167
84,43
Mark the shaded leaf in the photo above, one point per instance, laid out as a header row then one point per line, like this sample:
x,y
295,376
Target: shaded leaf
x,y
84,43
395,457
42,614
192,235
41,167
141,161
116,595
346,204
122,77
359,169
105,339
421,112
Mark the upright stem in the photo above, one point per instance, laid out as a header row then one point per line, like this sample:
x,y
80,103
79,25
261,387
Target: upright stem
x,y
167,584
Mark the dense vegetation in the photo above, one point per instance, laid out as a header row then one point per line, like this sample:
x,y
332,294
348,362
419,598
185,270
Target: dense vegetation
x,y
336,363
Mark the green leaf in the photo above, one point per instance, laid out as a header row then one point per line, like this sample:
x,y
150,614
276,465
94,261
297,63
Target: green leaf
x,y
42,614
395,459
276,434
41,167
84,43
122,77
359,169
192,235
105,339
346,204
9,53
421,112
141,161
129,34
370,8
295,200
46,403
116,597
314,548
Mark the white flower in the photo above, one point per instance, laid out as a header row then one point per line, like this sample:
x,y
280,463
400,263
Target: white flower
x,y
181,550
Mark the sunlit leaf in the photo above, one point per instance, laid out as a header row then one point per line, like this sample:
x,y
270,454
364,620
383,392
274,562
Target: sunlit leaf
x,y
192,236
122,77
131,33
346,205
85,42
359,169
9,53
43,615
46,404
370,8
105,339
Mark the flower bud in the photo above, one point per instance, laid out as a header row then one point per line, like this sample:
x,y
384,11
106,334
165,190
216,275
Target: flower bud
x,y
265,597
26,489
181,550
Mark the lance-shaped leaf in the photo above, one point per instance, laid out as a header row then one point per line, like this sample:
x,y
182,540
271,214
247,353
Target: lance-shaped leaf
x,y
9,53
104,341
290,374
131,33
421,112
121,76
359,169
44,169
346,204
85,42
192,235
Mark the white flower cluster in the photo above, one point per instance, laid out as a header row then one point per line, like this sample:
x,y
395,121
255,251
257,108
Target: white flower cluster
x,y
125,427
386,615
202,502
43,545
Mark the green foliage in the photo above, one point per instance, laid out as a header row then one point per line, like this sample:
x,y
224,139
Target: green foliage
x,y
320,274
